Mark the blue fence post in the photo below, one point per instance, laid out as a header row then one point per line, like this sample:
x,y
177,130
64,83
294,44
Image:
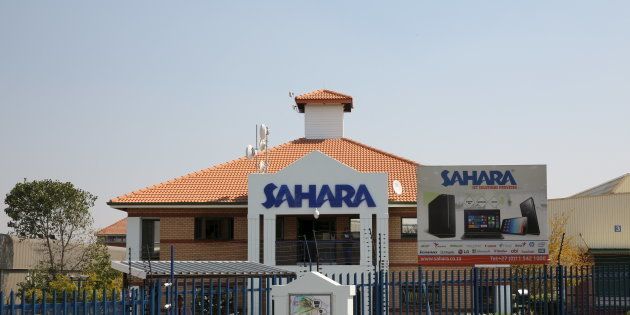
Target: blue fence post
x,y
260,295
54,302
75,303
380,291
362,293
244,295
33,301
94,300
103,301
185,295
235,297
474,290
211,297
227,296
65,302
114,306
193,305
43,302
251,294
560,278
123,301
23,307
12,302
85,309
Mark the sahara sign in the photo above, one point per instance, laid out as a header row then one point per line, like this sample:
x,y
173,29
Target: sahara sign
x,y
336,196
477,178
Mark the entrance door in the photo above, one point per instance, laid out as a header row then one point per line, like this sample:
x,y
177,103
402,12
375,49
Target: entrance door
x,y
320,229
318,240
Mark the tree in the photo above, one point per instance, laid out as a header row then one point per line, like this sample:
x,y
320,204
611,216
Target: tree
x,y
100,277
572,253
100,274
56,212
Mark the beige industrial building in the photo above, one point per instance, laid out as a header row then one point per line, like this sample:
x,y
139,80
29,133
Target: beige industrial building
x,y
20,256
599,218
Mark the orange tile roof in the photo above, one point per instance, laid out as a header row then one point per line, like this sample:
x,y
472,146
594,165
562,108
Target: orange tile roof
x,y
324,97
118,228
227,183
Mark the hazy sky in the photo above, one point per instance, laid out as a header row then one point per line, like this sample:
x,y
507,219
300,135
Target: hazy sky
x,y
118,95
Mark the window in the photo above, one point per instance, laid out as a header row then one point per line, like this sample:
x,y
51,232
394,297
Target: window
x,y
355,228
279,228
150,239
115,239
409,228
214,229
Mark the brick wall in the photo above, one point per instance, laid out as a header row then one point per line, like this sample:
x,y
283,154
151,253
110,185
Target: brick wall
x,y
177,229
290,228
403,252
240,228
202,250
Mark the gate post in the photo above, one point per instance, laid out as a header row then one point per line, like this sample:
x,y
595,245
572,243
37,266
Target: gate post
x,y
560,278
475,290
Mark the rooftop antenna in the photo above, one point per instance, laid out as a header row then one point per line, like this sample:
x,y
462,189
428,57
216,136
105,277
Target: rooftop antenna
x,y
293,104
262,143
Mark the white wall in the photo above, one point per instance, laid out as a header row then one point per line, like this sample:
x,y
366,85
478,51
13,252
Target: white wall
x,y
134,229
595,218
315,284
323,121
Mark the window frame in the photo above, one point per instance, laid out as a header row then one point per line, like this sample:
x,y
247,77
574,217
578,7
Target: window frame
x,y
404,235
154,250
201,224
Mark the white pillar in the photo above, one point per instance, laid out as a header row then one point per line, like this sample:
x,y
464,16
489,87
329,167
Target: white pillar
x,y
366,241
134,235
382,232
253,238
253,251
270,240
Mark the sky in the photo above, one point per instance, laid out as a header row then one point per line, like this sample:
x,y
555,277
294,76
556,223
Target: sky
x,y
115,96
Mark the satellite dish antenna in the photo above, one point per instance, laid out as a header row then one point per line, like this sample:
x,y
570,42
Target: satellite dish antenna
x,y
262,167
397,186
264,132
262,144
250,152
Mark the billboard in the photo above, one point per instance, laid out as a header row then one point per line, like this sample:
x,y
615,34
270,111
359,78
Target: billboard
x,y
482,214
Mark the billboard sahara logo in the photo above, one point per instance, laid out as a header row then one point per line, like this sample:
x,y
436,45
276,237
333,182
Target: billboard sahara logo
x,y
337,197
465,178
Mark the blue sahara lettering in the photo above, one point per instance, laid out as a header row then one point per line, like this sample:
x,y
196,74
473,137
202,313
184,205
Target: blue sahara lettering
x,y
336,198
465,178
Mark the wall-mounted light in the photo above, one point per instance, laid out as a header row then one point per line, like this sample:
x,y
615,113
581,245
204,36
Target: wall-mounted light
x,y
316,214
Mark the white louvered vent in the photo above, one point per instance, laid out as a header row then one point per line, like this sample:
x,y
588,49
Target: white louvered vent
x,y
323,121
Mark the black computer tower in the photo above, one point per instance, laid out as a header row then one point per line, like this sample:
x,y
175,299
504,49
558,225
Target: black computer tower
x,y
442,216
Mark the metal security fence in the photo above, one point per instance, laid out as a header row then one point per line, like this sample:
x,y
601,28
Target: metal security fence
x,y
514,290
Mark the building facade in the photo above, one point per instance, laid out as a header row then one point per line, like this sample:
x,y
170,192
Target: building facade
x,y
323,200
599,219
114,234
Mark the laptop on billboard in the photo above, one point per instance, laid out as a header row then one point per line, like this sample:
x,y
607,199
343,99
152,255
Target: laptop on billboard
x,y
482,223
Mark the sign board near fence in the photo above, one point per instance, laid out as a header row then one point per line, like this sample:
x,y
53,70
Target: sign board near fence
x,y
482,214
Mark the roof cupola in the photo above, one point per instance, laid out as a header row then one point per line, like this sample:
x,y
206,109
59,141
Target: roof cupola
x,y
323,113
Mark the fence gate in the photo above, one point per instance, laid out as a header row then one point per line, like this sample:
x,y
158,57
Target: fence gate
x,y
515,290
